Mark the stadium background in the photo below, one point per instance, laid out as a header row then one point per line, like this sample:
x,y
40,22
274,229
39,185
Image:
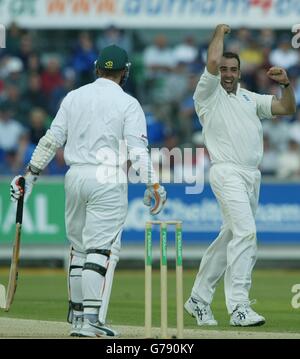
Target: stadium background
x,y
50,49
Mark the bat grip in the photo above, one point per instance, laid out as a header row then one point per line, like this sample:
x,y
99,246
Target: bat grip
x,y
19,216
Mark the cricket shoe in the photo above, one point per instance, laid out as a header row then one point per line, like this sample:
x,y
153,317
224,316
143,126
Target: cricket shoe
x,y
94,330
200,311
77,323
244,316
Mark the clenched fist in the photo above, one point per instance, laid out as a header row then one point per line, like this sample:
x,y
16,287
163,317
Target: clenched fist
x,y
278,74
224,28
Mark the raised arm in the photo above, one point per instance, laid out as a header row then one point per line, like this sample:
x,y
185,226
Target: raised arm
x,y
286,105
215,49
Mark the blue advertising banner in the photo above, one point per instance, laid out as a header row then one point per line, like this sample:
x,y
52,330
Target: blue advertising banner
x,y
277,219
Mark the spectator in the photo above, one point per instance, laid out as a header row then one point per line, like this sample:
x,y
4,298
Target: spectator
x,y
15,74
284,56
158,62
277,131
34,96
23,153
11,65
176,83
289,162
26,49
162,78
269,164
169,94
252,58
267,41
34,64
10,130
51,76
15,102
188,119
37,126
83,59
114,36
187,51
158,57
13,39
156,130
239,40
267,38
9,163
60,92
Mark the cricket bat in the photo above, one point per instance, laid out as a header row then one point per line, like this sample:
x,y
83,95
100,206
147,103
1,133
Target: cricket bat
x,y
7,297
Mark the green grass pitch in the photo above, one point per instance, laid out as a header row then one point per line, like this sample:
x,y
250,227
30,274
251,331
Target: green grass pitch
x,y
42,295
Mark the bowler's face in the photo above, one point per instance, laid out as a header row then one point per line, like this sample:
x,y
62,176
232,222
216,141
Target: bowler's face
x,y
230,74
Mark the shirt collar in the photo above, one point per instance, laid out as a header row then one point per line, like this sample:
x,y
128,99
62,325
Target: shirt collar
x,y
232,94
104,81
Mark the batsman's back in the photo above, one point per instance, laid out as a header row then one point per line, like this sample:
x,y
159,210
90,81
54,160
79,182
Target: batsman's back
x,y
93,116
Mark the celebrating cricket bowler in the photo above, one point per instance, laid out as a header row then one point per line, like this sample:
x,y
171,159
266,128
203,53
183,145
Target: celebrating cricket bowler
x,y
91,122
231,118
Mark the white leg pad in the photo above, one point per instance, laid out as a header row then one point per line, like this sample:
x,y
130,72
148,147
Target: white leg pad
x,y
107,288
113,260
75,283
93,274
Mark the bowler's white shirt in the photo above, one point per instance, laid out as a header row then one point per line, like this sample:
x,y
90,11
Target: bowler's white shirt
x,y
94,118
231,122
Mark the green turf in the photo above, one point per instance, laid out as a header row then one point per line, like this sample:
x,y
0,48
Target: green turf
x,y
42,295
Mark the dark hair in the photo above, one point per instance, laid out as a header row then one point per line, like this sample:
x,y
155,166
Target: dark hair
x,y
232,55
110,73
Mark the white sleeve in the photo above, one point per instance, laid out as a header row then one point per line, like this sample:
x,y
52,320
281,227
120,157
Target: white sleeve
x,y
59,126
135,135
264,106
206,87
54,138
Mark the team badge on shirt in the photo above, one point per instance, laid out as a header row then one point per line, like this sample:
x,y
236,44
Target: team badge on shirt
x,y
246,97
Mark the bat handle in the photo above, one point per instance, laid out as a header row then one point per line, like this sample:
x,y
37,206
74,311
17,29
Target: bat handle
x,y
19,216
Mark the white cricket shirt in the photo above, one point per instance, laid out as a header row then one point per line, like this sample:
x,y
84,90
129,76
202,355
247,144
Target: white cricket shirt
x,y
231,122
93,119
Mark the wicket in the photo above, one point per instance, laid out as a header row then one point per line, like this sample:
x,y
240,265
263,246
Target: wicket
x,y
163,277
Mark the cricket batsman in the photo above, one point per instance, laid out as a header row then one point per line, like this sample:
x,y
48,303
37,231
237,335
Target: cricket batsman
x,y
231,119
91,122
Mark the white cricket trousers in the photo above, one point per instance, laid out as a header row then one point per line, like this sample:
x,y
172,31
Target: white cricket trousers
x,y
95,213
234,251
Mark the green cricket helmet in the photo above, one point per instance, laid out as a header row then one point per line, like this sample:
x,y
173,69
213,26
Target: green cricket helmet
x,y
114,58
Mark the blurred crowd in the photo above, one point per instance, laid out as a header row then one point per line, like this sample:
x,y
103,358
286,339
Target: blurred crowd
x,y
36,74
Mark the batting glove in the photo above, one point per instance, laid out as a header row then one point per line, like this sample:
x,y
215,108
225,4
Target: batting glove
x,y
16,190
158,194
